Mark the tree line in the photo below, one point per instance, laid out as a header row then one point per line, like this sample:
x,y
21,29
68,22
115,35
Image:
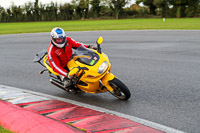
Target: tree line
x,y
103,9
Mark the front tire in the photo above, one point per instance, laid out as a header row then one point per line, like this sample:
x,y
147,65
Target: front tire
x,y
120,90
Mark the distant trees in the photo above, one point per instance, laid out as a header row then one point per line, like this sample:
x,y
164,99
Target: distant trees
x,y
193,6
117,6
162,7
86,9
95,8
172,8
150,4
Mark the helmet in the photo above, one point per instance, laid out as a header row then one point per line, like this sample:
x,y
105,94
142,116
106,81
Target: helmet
x,y
58,37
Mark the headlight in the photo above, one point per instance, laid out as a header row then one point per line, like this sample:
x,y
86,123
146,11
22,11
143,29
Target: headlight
x,y
103,67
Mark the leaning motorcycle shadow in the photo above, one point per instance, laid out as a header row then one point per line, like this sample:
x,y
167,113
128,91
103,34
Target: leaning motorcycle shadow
x,y
97,98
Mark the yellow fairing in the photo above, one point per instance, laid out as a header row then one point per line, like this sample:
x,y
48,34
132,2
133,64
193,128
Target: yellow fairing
x,y
106,78
90,80
47,66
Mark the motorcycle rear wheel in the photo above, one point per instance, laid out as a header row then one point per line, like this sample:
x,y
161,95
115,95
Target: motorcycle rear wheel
x,y
120,91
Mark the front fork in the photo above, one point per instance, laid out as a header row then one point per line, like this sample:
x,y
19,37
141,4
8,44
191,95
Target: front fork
x,y
105,80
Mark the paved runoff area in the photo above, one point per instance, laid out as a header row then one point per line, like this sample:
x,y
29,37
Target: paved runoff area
x,y
24,111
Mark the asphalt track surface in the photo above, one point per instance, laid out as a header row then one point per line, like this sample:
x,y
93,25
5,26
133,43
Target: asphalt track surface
x,y
161,69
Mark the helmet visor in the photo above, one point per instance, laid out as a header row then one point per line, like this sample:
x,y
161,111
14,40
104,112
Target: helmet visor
x,y
59,40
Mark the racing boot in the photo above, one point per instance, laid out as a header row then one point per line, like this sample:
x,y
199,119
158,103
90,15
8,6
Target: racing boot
x,y
67,83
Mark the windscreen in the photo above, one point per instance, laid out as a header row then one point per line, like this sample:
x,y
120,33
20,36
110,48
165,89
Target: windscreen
x,y
91,59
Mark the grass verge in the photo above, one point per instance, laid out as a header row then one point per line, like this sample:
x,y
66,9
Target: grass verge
x,y
3,130
90,25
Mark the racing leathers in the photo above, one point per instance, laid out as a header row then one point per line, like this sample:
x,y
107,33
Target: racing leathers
x,y
58,57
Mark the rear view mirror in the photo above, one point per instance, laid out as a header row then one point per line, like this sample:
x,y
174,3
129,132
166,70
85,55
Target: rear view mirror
x,y
100,40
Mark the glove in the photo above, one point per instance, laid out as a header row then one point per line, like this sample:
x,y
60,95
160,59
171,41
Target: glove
x,y
92,47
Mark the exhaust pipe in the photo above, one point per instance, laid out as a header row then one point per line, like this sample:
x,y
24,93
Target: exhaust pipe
x,y
58,84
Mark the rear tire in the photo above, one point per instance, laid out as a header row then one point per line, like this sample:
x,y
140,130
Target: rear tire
x,y
120,91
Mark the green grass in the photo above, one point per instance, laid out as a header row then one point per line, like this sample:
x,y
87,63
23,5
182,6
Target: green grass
x,y
3,130
90,25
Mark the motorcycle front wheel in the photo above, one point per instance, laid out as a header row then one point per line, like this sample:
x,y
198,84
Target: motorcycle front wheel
x,y
120,90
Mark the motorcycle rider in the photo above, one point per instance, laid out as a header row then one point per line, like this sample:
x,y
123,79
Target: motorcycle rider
x,y
60,51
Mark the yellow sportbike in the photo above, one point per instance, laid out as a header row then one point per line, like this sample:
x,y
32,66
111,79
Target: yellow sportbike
x,y
89,71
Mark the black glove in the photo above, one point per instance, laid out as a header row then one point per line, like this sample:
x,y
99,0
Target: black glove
x,y
92,47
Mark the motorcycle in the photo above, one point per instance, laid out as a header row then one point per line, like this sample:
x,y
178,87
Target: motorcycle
x,y
90,72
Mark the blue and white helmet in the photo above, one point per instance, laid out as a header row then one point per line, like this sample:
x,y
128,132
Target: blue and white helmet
x,y
58,37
